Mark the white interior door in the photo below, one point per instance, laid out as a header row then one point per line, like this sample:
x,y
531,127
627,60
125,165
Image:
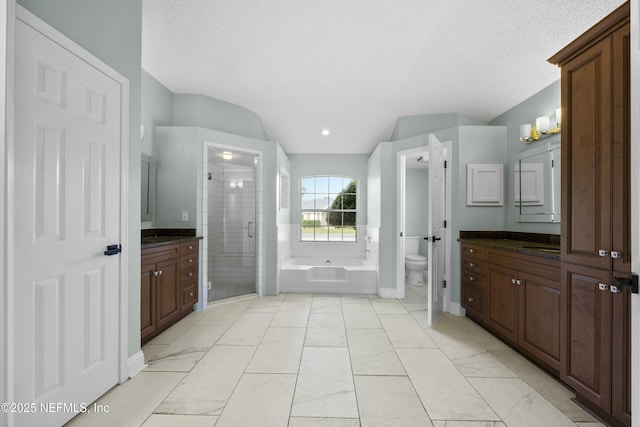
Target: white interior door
x,y
435,225
67,160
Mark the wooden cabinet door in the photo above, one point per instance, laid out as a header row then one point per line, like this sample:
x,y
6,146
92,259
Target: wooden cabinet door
x,y
586,156
167,292
540,319
621,356
585,333
621,152
502,295
147,302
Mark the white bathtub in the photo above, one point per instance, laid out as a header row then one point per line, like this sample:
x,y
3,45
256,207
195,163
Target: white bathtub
x,y
328,275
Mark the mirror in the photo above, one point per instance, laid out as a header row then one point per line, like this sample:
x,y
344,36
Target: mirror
x,y
147,187
537,184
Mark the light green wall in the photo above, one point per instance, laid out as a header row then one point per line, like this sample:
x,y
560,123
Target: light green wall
x,y
157,109
416,202
373,187
284,216
210,113
542,103
351,165
112,31
410,126
179,162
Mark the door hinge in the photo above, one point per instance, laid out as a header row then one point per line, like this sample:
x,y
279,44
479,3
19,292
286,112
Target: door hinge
x,y
445,164
444,284
444,223
552,163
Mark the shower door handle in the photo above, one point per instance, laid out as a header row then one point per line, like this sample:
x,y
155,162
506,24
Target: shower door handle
x,y
250,229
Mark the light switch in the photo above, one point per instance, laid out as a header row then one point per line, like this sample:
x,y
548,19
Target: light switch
x,y
185,215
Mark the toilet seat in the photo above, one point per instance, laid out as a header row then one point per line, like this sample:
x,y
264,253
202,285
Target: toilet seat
x,y
415,257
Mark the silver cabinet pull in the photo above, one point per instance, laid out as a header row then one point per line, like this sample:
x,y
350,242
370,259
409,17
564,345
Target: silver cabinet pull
x,y
250,229
615,254
603,286
603,252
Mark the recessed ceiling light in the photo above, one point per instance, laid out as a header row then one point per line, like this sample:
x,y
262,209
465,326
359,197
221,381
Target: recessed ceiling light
x,y
227,155
325,132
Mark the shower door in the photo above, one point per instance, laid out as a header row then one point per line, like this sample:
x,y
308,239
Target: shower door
x,y
231,225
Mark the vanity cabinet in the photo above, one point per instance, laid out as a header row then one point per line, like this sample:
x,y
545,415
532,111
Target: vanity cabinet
x,y
168,286
516,296
595,241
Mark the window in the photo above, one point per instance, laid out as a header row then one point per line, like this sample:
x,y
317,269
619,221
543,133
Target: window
x,y
329,209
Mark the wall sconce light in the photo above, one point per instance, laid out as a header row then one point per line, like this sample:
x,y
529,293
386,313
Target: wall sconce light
x,y
542,129
227,155
542,124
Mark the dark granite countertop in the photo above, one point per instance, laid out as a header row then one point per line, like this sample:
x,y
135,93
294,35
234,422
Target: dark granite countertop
x,y
154,237
540,245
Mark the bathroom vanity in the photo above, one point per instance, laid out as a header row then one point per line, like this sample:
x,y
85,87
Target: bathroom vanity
x,y
168,279
511,286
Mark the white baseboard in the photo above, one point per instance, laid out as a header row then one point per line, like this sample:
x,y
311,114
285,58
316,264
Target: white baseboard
x,y
387,292
457,309
135,364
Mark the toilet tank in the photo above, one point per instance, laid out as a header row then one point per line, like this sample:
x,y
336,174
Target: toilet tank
x,y
411,244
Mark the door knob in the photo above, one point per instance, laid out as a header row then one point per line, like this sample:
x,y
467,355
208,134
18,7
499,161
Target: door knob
x,y
113,250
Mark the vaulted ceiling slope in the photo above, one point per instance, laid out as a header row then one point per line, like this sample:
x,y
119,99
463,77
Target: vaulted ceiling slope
x,y
355,66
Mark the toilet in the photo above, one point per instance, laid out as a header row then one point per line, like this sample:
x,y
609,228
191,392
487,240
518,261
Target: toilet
x,y
414,263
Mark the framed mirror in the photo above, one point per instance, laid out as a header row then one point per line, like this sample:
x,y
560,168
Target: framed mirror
x,y
147,187
537,184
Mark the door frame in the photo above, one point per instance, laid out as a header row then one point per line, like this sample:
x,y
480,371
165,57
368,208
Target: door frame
x,y
635,209
17,12
400,220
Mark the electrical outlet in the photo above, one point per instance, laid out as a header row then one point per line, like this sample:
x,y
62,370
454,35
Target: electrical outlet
x,y
185,215
209,285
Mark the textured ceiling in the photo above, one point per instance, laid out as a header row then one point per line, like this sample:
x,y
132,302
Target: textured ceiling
x,y
355,66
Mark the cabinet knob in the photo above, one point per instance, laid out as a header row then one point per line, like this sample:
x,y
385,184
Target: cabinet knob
x,y
160,272
603,286
190,260
155,273
190,247
190,274
513,281
603,252
519,282
614,289
471,250
470,299
190,294
471,278
615,254
472,264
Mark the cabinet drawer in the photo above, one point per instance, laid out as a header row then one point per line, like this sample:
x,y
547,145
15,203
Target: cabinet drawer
x,y
189,248
189,295
472,264
189,273
473,278
473,299
159,254
473,251
189,261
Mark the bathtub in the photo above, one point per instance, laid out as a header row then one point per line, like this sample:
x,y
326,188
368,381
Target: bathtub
x,y
328,275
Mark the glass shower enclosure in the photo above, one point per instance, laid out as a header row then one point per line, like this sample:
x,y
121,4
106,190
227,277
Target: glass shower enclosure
x,y
231,223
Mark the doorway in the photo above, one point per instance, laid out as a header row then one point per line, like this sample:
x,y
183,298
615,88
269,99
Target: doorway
x,y
423,206
232,223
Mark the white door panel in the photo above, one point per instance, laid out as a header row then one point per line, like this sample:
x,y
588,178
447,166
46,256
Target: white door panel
x,y
67,210
435,225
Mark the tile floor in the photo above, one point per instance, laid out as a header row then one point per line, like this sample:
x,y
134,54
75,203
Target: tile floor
x,y
302,360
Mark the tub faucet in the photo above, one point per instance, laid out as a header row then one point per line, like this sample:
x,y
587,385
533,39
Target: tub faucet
x,y
328,262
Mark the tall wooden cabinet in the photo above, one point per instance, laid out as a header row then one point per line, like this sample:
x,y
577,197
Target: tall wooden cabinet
x,y
595,240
